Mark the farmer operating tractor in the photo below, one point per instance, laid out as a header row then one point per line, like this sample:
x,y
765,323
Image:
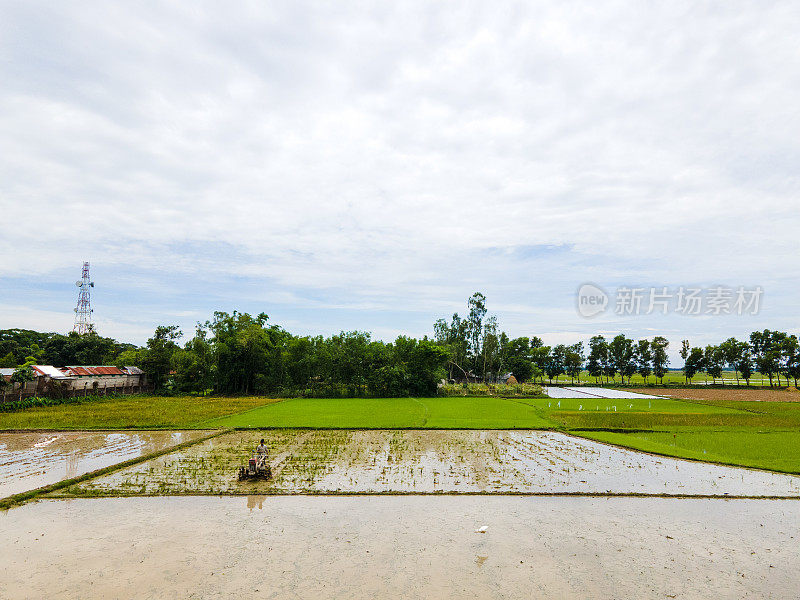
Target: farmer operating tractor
x,y
257,467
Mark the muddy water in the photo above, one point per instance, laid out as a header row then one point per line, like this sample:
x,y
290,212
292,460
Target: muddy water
x,y
401,547
32,460
532,462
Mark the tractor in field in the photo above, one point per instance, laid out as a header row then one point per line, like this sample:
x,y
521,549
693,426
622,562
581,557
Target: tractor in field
x,y
257,467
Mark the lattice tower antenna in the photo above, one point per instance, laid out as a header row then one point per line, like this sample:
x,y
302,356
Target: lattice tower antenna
x,y
83,310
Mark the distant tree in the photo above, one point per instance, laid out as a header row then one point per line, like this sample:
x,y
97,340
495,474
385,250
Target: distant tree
x,y
573,360
491,350
8,361
128,358
540,357
194,364
517,358
659,347
694,363
621,353
477,311
791,362
685,349
422,363
714,361
556,359
464,340
643,356
766,347
733,353
24,372
598,357
157,357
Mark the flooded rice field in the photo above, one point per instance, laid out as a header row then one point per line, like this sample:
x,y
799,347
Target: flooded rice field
x,y
401,547
420,461
32,460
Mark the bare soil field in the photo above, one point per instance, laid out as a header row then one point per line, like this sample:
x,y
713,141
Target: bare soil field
x,y
754,395
421,461
401,547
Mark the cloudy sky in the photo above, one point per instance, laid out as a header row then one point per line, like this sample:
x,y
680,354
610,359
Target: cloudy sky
x,y
370,165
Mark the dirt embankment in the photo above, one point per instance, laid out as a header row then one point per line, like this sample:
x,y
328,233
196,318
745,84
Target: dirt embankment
x,y
754,395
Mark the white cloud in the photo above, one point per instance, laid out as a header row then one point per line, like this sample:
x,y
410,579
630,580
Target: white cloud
x,y
400,157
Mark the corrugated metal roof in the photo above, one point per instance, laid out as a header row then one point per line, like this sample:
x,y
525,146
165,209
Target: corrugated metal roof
x,y
134,371
109,371
87,371
49,371
7,371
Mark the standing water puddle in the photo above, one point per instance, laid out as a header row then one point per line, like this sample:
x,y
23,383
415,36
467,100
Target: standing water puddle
x,y
32,460
401,547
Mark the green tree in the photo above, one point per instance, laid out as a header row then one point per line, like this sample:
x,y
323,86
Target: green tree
x,y
491,350
621,354
195,364
714,361
733,352
540,356
659,347
694,363
573,360
766,348
598,357
685,350
791,362
8,361
157,357
423,362
477,311
516,356
453,338
643,356
24,373
555,364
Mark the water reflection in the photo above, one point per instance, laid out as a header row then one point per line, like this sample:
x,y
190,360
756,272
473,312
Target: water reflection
x,y
32,460
256,501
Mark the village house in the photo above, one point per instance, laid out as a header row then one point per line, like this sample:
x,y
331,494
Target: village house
x,y
75,381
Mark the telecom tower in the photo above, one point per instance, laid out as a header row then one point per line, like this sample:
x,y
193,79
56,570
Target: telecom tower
x,y
83,311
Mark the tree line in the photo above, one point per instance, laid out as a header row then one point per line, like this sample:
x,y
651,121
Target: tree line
x,y
241,354
238,353
18,346
775,354
477,351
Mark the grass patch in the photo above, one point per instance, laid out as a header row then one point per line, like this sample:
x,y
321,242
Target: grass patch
x,y
130,412
773,450
391,413
625,405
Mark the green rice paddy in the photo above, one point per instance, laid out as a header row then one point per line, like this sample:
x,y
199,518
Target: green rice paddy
x,y
773,450
747,433
391,413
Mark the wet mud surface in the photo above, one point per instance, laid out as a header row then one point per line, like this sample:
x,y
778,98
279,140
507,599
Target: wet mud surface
x,y
32,460
401,547
417,461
